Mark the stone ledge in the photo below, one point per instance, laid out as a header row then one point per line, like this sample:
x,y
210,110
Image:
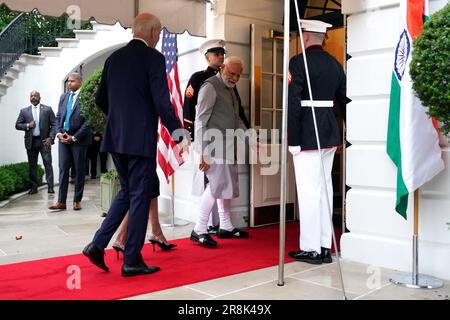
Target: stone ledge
x,y
16,196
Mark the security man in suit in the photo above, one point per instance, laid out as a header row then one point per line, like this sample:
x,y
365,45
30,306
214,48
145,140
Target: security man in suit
x,y
133,92
38,122
328,83
214,51
74,135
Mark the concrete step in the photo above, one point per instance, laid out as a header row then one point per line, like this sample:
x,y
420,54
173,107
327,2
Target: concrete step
x,y
98,26
7,80
19,66
67,42
85,34
3,89
33,59
12,73
50,51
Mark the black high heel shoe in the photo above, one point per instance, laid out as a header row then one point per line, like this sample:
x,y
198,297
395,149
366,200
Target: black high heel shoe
x,y
118,247
163,245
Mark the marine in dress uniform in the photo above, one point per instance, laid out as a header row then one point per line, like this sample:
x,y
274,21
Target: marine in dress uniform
x,y
214,51
328,84
217,111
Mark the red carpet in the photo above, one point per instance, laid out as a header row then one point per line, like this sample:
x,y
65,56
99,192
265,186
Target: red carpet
x,y
188,263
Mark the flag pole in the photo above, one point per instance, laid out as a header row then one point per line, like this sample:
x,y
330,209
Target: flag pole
x,y
414,279
319,149
282,238
179,222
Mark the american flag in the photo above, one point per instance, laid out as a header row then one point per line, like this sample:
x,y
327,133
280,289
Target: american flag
x,y
168,151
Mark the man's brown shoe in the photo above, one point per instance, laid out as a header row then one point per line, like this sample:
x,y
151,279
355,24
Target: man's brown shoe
x,y
58,206
77,206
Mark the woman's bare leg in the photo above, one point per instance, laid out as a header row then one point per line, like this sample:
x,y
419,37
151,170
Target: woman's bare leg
x,y
154,220
123,229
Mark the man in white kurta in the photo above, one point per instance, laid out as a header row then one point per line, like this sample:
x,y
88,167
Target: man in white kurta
x,y
216,180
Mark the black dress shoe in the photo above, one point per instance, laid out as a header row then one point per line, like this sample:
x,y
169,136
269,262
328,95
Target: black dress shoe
x,y
203,239
137,269
32,191
235,233
325,254
50,190
213,229
96,256
306,256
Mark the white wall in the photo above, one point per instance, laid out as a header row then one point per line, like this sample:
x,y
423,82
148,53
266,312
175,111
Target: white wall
x,y
230,20
48,79
378,235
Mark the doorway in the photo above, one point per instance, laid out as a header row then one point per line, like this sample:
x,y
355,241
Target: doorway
x,y
266,112
266,117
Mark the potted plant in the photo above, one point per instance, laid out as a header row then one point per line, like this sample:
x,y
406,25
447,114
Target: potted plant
x,y
109,181
430,67
89,109
109,187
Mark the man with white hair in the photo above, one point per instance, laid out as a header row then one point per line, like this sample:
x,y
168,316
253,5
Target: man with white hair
x,y
214,51
216,180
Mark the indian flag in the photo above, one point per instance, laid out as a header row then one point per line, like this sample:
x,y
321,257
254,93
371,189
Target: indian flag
x,y
412,139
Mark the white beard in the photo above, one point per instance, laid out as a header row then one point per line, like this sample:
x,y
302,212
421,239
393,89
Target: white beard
x,y
227,83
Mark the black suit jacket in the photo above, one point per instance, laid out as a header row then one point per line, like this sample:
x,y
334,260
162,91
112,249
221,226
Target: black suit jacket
x,y
46,124
78,125
328,82
133,92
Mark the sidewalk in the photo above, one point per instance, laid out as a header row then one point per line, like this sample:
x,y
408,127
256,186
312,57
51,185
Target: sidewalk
x,y
48,234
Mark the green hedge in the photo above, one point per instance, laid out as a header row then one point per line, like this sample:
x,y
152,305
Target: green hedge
x,y
14,178
89,109
430,67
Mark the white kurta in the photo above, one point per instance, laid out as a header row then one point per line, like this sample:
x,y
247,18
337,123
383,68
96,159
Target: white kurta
x,y
315,224
222,177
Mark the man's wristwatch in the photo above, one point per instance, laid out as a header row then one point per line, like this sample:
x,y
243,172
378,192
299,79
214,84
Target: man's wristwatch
x,y
74,139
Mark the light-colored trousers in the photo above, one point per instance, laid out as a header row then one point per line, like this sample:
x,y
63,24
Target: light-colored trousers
x,y
315,224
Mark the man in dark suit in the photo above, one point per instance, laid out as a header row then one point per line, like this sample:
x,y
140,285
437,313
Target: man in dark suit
x,y
92,155
38,122
74,136
133,92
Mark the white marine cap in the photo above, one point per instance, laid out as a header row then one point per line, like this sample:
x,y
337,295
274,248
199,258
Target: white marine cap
x,y
314,26
215,45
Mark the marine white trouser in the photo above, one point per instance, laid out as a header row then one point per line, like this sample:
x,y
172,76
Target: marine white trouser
x,y
315,224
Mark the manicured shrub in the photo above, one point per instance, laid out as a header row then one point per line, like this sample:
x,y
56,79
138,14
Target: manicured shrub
x,y
89,109
430,67
14,178
7,180
2,192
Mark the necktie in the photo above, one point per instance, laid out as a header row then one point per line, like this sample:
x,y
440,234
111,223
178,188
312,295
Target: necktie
x,y
36,131
69,111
